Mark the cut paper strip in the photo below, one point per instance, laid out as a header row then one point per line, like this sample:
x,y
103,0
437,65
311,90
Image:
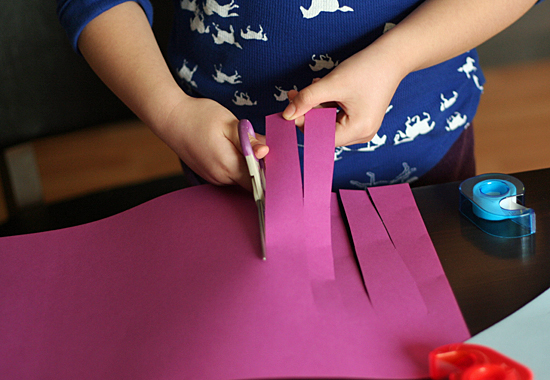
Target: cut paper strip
x,y
284,199
399,213
296,217
319,128
174,289
387,279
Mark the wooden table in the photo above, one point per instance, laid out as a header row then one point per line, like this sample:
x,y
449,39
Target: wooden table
x,y
491,277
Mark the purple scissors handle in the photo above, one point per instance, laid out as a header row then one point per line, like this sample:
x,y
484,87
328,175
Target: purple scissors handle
x,y
256,170
246,129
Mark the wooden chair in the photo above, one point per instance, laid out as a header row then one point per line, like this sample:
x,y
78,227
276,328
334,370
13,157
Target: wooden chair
x,y
46,89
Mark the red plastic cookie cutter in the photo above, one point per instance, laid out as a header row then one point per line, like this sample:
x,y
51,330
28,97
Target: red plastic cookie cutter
x,y
461,361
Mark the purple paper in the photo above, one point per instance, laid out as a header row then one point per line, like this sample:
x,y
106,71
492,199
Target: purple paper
x,y
319,128
175,289
389,284
398,211
299,218
284,198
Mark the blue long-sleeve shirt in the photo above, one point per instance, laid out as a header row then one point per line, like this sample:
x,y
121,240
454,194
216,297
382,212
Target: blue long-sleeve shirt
x,y
247,54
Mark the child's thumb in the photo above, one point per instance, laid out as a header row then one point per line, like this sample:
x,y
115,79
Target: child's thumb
x,y
308,98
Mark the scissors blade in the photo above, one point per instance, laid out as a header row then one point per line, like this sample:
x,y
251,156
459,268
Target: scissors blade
x,y
256,171
261,217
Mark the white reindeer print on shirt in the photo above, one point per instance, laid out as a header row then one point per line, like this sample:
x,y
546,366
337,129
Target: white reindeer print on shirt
x,y
468,67
187,74
476,82
404,177
282,96
318,6
242,99
455,121
324,62
372,145
221,77
415,126
189,5
447,103
211,6
223,36
197,23
252,35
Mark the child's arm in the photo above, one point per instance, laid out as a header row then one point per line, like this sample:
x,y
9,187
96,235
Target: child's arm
x,y
364,84
121,48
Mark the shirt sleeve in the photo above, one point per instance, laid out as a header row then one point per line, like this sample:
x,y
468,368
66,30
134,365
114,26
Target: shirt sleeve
x,y
74,15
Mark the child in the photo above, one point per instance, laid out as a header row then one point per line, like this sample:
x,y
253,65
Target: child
x,y
403,74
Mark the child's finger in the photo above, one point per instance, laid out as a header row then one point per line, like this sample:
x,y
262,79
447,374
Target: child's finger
x,y
258,146
308,98
300,120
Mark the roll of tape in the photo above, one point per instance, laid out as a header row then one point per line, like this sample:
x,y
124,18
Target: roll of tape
x,y
488,195
495,203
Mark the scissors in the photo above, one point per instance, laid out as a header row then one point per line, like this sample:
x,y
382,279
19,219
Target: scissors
x,y
257,174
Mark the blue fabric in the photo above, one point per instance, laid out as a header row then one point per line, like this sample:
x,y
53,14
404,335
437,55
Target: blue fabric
x,y
246,54
255,73
74,15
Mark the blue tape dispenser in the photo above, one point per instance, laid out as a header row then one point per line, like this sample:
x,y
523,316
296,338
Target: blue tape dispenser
x,y
495,204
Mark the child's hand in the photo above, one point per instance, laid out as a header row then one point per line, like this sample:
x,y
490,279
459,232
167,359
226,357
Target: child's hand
x,y
362,86
204,135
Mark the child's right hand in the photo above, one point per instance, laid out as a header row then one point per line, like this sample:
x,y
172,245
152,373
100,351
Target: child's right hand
x,y
121,48
204,135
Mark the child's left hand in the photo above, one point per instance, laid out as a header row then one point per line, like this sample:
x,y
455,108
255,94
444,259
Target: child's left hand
x,y
362,86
